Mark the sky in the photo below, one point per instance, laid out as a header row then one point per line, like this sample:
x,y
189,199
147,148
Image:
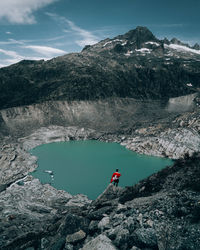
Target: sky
x,y
43,29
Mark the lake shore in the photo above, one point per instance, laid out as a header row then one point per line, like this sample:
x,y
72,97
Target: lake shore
x,y
28,207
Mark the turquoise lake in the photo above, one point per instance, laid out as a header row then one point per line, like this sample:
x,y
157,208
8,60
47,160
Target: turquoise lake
x,y
86,166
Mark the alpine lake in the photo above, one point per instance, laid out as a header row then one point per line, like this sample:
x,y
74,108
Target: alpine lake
x,y
86,167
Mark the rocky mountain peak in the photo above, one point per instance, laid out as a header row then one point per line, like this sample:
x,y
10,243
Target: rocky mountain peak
x,y
139,35
178,42
175,41
166,41
196,46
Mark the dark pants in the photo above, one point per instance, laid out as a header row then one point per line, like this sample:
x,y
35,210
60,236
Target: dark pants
x,y
116,182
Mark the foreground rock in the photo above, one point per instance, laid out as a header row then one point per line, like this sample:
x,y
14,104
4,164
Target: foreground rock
x,y
100,242
30,210
160,212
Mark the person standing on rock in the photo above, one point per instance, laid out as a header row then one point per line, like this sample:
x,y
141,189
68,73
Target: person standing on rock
x,y
115,177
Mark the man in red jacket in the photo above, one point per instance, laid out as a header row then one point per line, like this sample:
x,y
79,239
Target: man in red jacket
x,y
115,177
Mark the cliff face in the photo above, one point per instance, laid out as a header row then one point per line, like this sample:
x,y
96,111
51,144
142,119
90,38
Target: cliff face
x,y
104,115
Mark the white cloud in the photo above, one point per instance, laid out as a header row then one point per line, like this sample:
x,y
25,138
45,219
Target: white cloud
x,y
41,53
7,62
45,50
8,32
85,37
21,11
10,53
12,57
12,41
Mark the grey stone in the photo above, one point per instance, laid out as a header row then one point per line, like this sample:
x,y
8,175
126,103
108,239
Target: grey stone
x,y
104,223
122,237
135,248
93,226
69,247
76,237
101,242
146,236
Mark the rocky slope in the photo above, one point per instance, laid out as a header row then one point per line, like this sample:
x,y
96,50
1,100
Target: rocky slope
x,y
136,65
160,212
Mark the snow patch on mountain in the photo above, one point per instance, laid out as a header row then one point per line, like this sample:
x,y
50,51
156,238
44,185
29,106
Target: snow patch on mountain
x,y
129,52
182,48
153,43
143,50
113,41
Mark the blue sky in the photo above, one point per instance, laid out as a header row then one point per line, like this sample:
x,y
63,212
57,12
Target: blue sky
x,y
42,29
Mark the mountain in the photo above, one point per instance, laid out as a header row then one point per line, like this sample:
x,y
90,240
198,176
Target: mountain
x,y
135,64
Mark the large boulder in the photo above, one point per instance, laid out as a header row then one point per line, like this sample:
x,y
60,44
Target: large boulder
x,y
101,242
76,237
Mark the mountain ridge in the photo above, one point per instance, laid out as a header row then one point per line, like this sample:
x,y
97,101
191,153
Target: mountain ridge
x,y
136,65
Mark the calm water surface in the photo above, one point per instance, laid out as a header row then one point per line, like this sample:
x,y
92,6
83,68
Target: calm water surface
x,y
86,166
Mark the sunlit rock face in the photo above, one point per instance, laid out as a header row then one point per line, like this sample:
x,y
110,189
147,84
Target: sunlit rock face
x,y
110,114
181,103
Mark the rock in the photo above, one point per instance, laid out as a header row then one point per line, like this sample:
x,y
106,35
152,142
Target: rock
x,y
3,187
135,248
122,238
104,223
98,214
146,237
68,247
93,226
150,223
110,193
78,200
76,237
118,219
121,208
140,219
101,242
58,244
73,224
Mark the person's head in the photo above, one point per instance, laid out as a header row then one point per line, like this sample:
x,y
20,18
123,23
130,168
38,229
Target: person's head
x,y
117,170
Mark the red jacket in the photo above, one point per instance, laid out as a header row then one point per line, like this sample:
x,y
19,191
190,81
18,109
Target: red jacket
x,y
115,176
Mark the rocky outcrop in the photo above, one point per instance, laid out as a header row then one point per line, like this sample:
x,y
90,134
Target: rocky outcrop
x,y
30,210
103,115
160,212
15,164
154,214
173,143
